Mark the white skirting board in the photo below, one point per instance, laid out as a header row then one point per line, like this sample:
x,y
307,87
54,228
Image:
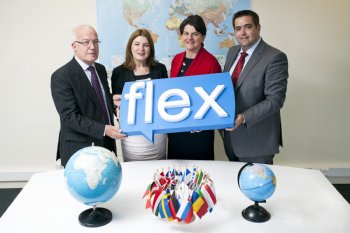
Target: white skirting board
x,y
14,179
337,175
17,179
15,176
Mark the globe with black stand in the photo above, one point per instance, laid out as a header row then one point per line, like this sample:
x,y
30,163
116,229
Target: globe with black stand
x,y
257,182
93,176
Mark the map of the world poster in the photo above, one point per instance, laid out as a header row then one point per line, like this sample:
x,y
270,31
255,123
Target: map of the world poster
x,y
117,19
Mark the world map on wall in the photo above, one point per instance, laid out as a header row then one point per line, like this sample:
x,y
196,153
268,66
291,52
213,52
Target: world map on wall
x,y
117,19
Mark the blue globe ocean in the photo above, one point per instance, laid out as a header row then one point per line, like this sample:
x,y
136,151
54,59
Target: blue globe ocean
x,y
93,175
257,182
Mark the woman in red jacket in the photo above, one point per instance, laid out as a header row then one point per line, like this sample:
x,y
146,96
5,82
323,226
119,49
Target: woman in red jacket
x,y
195,60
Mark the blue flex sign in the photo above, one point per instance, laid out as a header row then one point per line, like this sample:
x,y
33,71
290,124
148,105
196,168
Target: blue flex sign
x,y
171,105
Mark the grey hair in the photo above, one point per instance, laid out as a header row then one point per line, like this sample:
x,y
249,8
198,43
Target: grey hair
x,y
77,28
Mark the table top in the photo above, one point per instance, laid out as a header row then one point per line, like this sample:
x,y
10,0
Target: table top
x,y
304,201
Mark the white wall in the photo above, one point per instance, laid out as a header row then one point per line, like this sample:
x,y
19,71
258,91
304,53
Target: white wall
x,y
315,36
35,40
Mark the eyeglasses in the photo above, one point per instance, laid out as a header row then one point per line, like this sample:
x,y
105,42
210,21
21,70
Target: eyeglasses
x,y
86,43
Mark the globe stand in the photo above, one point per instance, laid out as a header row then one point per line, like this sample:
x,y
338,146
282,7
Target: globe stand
x,y
256,213
95,217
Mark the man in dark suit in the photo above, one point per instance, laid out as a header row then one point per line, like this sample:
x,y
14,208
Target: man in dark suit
x,y
82,98
260,91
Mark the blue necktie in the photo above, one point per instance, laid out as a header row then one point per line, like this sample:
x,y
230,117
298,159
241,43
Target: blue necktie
x,y
97,87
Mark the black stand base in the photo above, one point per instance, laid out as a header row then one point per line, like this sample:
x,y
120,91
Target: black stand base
x,y
95,217
256,213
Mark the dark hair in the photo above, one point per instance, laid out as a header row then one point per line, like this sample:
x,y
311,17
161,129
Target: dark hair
x,y
239,14
129,61
196,21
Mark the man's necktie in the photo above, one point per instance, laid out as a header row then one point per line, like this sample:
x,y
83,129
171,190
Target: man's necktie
x,y
97,87
239,67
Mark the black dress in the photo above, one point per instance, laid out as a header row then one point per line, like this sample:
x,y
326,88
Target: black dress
x,y
187,145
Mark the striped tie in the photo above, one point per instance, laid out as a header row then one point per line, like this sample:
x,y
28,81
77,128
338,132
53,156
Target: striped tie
x,y
97,87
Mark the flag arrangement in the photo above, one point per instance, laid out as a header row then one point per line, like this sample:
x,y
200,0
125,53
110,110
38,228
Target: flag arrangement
x,y
180,195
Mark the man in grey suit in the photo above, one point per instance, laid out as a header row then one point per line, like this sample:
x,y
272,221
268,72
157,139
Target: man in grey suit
x,y
82,98
260,90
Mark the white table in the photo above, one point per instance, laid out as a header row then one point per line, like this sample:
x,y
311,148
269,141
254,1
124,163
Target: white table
x,y
304,201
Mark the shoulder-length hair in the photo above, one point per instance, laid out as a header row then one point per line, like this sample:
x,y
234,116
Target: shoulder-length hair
x,y
129,60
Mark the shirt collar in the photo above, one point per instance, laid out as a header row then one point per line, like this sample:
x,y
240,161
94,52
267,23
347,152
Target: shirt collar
x,y
251,50
83,64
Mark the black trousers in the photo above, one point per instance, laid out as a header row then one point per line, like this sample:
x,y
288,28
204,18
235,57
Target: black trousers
x,y
191,146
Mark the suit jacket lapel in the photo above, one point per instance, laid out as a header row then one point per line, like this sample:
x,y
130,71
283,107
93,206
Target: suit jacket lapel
x,y
176,66
251,63
196,63
153,72
231,59
83,82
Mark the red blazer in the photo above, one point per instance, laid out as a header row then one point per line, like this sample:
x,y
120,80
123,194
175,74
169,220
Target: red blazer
x,y
203,63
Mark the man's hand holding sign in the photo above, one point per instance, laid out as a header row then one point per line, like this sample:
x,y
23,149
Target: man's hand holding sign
x,y
202,102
